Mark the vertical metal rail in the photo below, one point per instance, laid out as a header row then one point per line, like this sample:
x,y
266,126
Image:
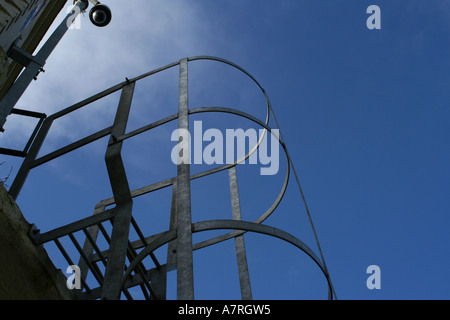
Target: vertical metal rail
x,y
244,277
185,274
172,246
122,196
70,262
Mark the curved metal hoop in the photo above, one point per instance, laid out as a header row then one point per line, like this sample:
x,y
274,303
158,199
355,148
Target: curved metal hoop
x,y
230,224
264,125
278,199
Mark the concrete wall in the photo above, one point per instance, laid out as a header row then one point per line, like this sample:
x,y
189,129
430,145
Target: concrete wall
x,y
26,271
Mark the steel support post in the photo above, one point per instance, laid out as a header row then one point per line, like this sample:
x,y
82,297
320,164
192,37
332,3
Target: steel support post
x,y
185,274
172,246
122,195
244,277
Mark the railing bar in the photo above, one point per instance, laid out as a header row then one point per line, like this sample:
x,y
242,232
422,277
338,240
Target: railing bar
x,y
69,261
95,271
76,226
104,233
147,127
71,147
87,101
96,248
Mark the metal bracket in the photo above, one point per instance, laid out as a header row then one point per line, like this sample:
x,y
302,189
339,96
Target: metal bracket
x,y
85,2
34,233
21,56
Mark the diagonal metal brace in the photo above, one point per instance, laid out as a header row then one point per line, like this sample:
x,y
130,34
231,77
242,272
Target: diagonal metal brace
x,y
122,195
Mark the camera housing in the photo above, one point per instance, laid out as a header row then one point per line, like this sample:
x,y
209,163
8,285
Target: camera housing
x,y
100,15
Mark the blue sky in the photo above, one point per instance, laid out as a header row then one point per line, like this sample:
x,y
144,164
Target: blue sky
x,y
364,114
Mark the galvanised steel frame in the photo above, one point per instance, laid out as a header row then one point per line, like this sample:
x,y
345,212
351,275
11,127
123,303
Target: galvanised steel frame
x,y
118,277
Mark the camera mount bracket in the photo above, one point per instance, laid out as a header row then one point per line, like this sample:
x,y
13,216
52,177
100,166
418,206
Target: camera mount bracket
x,y
34,64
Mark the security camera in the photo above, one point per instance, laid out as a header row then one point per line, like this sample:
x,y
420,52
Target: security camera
x,y
100,15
